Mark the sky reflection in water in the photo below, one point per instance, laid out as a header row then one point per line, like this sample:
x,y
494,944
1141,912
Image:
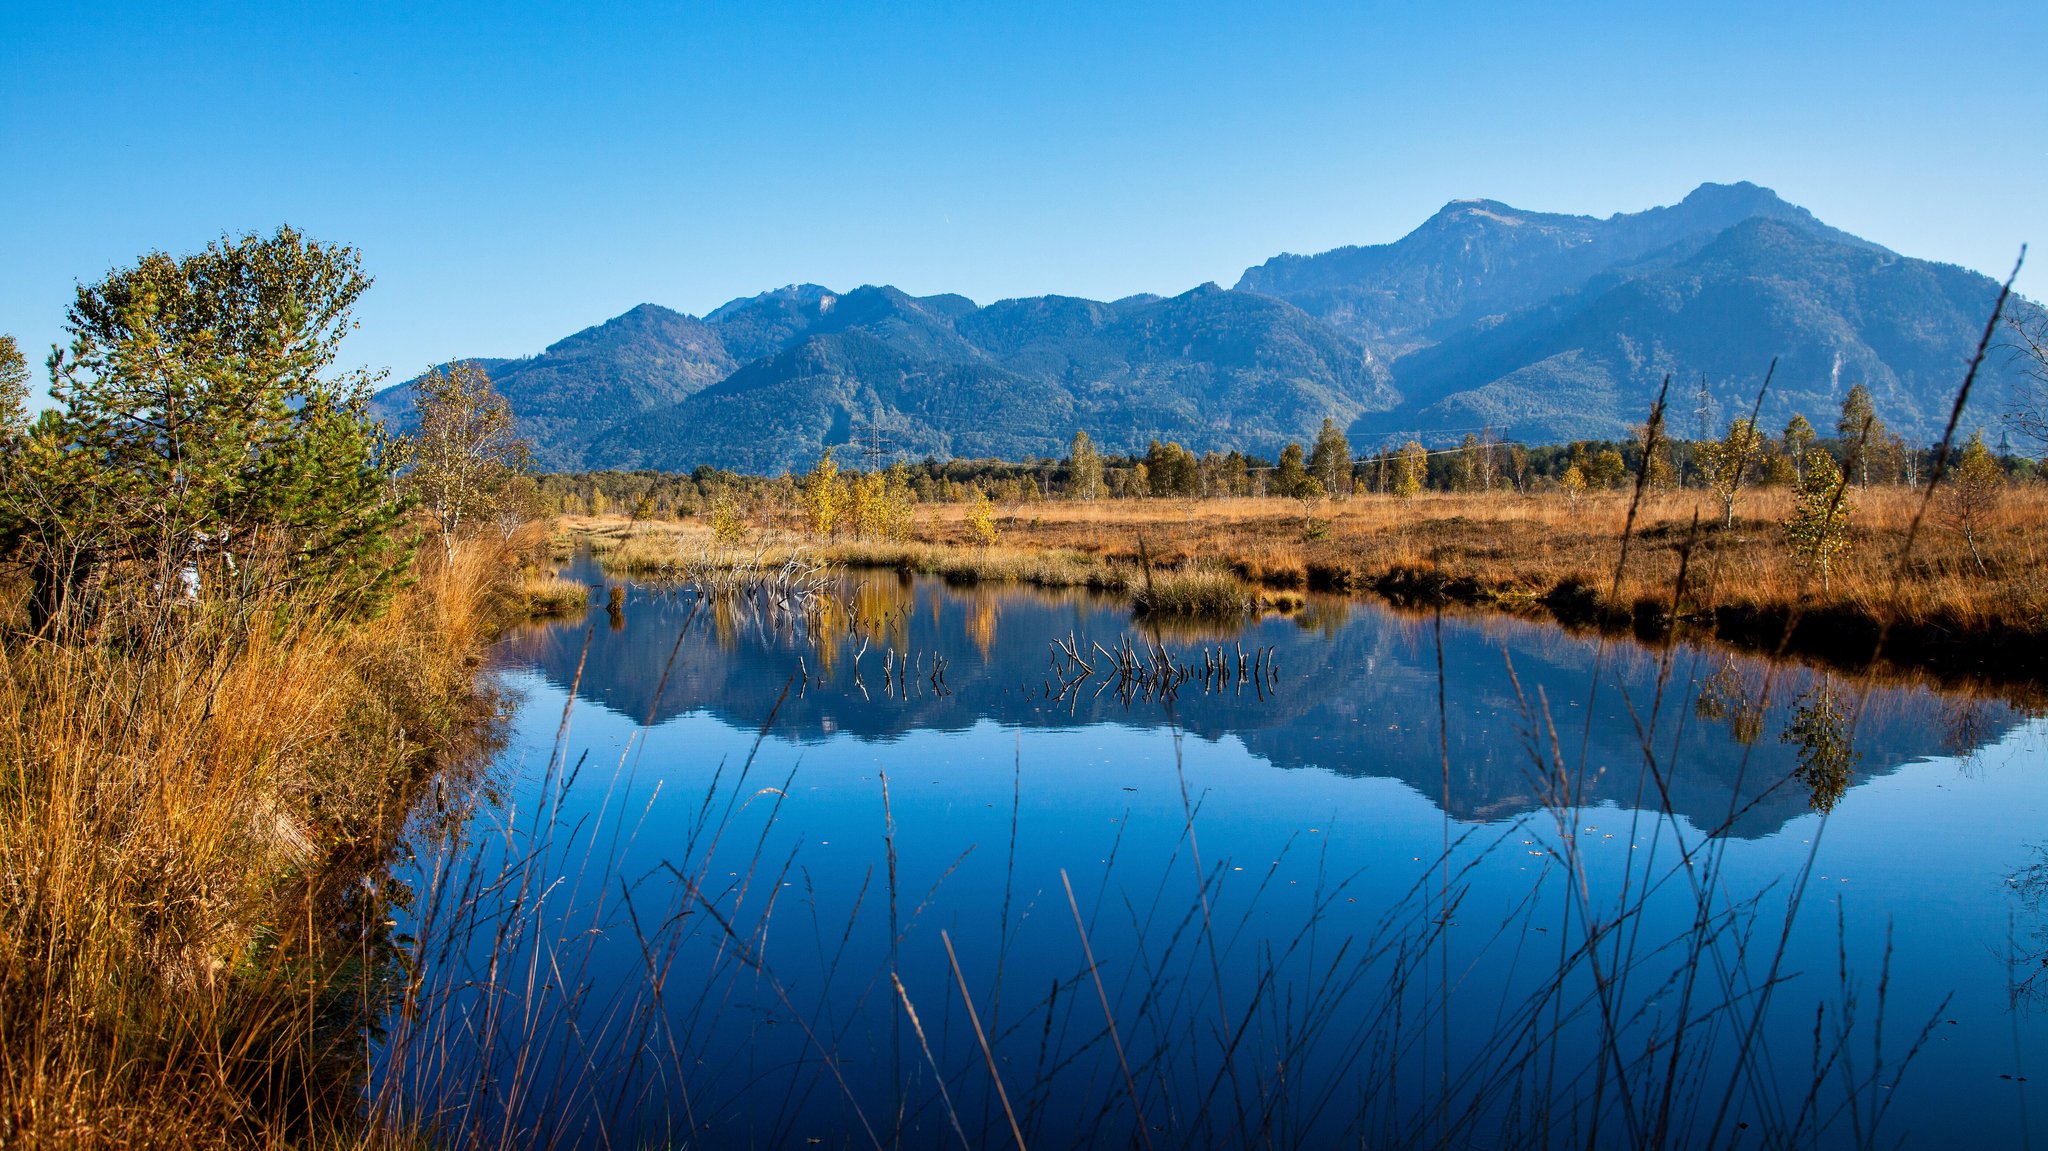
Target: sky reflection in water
x,y
1320,800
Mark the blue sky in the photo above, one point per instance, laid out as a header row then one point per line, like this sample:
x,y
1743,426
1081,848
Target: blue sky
x,y
514,172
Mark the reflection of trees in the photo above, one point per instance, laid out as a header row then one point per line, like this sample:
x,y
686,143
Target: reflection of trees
x,y
1820,729
827,622
1373,727
982,611
2029,960
1725,697
1324,614
1966,726
881,610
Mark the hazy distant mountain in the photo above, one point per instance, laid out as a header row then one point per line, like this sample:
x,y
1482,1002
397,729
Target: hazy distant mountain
x,y
1547,328
1588,363
583,386
1541,326
1477,258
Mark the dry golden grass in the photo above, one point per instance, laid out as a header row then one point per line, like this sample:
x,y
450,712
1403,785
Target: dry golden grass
x,y
186,827
1521,549
1196,590
547,593
1744,583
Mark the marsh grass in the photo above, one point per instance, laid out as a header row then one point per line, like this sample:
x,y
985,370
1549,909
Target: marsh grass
x,y
196,809
1518,551
1194,590
1540,553
548,594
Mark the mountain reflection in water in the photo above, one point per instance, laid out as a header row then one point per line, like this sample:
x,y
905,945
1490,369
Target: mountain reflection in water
x,y
1355,692
1343,877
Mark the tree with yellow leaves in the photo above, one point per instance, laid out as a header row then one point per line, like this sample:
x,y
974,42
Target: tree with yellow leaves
x,y
1972,494
981,520
1819,527
820,496
1726,462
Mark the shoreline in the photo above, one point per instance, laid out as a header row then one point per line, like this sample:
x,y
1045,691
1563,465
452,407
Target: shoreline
x,y
1533,557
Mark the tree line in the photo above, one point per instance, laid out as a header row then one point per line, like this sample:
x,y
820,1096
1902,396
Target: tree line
x,y
1742,456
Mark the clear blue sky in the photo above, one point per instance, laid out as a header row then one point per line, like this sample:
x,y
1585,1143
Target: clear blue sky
x,y
515,172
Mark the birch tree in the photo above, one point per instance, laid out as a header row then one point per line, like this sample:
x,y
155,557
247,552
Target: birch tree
x,y
462,463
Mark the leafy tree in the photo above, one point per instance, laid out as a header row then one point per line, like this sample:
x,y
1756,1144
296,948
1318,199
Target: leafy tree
x,y
1084,468
1411,468
198,425
1330,461
463,463
1518,466
1574,484
1661,474
820,496
1291,474
1972,494
1863,435
1477,461
1819,527
1461,466
867,511
899,501
1310,494
981,520
1799,439
1609,470
728,527
1172,470
13,390
1725,462
1226,473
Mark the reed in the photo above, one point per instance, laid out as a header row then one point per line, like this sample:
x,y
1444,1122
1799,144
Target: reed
x,y
197,801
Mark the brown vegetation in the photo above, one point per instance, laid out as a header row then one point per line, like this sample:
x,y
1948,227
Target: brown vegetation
x,y
194,824
1745,583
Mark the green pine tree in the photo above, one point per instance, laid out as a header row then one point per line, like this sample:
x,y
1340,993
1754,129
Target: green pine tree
x,y
200,440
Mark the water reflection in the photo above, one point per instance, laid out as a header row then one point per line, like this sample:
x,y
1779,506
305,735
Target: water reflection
x,y
1820,731
1431,901
1353,690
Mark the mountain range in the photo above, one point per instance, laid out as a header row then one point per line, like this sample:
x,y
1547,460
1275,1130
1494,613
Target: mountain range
x,y
1542,327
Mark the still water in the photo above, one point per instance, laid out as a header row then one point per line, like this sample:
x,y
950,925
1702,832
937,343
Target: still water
x,y
1341,877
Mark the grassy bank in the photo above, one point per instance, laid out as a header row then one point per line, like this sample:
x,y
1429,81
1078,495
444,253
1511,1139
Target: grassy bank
x,y
195,814
1544,554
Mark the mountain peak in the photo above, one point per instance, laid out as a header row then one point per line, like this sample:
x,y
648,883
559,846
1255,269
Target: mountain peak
x,y
801,294
1478,209
1753,199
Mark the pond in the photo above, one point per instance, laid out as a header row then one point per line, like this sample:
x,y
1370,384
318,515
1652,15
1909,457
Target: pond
x,y
909,864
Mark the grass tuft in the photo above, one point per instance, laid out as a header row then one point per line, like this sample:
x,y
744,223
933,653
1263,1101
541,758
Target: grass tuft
x,y
1198,591
548,594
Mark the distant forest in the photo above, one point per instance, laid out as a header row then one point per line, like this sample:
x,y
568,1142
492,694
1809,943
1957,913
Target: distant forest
x,y
1481,464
